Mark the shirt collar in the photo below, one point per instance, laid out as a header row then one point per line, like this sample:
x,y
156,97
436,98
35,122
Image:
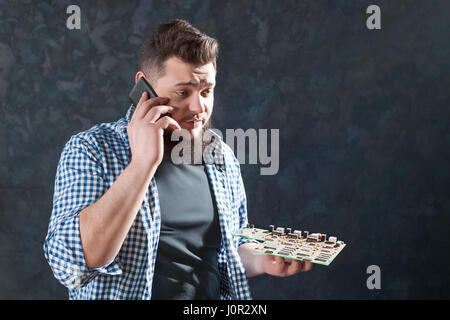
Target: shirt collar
x,y
129,113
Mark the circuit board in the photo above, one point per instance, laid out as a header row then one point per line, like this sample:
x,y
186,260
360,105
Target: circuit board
x,y
298,245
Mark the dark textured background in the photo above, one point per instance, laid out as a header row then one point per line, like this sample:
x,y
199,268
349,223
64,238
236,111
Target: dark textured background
x,y
363,118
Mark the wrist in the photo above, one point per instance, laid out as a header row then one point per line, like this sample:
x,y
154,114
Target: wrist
x,y
143,168
254,263
261,264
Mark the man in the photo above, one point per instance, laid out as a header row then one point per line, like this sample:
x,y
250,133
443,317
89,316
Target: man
x,y
127,223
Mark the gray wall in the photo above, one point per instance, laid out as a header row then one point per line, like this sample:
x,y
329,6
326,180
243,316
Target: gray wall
x,y
363,118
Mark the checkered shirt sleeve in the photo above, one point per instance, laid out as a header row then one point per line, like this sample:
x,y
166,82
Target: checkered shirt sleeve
x,y
79,182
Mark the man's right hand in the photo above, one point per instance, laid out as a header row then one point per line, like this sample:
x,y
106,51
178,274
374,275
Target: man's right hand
x,y
105,223
145,131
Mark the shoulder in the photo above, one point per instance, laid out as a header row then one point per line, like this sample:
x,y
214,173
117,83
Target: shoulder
x,y
96,139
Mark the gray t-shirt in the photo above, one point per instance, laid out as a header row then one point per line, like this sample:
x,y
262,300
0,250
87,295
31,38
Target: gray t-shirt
x,y
186,261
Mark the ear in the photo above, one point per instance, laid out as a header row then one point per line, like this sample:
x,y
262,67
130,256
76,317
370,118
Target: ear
x,y
139,74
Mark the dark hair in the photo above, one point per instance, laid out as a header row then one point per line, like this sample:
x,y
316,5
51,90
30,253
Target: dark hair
x,y
175,38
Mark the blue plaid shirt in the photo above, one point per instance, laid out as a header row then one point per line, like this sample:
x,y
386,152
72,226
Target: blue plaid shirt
x,y
90,163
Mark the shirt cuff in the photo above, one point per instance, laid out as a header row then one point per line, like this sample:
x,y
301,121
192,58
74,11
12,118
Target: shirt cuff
x,y
65,255
113,268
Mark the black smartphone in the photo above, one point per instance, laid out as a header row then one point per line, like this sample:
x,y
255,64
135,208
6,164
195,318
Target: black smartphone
x,y
137,91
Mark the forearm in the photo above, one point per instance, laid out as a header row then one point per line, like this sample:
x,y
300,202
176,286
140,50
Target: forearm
x,y
104,225
252,262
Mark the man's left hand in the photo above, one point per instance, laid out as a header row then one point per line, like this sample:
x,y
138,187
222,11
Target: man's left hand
x,y
256,264
283,267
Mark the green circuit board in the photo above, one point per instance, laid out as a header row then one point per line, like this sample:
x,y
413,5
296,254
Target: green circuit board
x,y
298,245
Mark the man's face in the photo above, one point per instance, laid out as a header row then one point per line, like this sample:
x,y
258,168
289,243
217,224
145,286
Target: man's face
x,y
191,93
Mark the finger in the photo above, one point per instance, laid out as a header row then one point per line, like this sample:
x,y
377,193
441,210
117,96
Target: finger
x,y
139,105
296,267
278,259
144,96
279,263
270,258
145,104
166,122
307,266
292,266
153,115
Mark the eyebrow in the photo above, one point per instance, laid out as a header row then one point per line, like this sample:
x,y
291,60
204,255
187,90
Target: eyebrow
x,y
195,84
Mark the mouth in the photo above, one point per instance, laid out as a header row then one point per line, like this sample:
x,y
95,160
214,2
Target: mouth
x,y
194,123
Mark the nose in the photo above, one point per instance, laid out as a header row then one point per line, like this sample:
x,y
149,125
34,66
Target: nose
x,y
197,105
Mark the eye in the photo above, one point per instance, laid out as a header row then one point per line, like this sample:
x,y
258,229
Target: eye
x,y
180,93
206,92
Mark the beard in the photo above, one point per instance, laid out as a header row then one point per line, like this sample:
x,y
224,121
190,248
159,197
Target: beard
x,y
169,144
